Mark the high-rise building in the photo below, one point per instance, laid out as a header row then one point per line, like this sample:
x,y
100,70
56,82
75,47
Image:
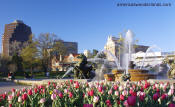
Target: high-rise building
x,y
15,31
71,47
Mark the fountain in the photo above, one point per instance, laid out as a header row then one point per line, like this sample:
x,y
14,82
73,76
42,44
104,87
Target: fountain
x,y
120,71
127,70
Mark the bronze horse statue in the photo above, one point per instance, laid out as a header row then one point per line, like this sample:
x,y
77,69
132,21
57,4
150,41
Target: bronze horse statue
x,y
83,70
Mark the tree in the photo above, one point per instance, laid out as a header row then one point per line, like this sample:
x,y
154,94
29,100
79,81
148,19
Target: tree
x,y
15,47
17,61
47,45
29,55
4,62
94,52
58,48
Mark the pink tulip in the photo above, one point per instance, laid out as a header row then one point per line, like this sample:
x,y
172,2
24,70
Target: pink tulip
x,y
42,100
131,91
95,99
10,97
56,91
126,103
116,93
122,97
170,92
76,85
53,96
124,93
115,87
66,91
13,90
19,99
172,87
110,92
131,100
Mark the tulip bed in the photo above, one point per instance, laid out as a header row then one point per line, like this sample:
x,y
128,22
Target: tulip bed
x,y
92,94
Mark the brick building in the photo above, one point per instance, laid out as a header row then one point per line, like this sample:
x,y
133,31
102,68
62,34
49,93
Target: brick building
x,y
15,31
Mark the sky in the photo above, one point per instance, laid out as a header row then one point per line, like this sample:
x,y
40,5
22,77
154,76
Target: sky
x,y
90,22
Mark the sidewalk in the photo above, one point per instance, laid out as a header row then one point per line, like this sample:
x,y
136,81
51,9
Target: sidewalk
x,y
7,86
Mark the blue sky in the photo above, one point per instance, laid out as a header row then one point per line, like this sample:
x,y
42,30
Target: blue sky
x,y
89,22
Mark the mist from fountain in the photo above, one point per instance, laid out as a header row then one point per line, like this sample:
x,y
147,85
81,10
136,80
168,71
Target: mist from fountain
x,y
70,69
127,51
104,64
147,51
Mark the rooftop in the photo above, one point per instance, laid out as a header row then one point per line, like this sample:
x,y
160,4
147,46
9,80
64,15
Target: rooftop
x,y
18,21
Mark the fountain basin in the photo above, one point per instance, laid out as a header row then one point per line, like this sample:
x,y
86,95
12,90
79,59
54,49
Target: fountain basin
x,y
136,75
109,77
140,74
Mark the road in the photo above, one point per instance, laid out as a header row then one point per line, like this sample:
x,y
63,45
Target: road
x,y
7,86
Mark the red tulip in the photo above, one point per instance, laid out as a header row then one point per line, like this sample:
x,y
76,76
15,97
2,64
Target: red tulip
x,y
163,96
18,93
118,102
54,85
91,93
70,95
134,94
108,102
71,81
171,105
122,98
30,92
141,97
35,90
48,83
100,88
23,90
141,89
155,96
10,105
24,96
4,96
146,85
131,100
13,90
60,95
